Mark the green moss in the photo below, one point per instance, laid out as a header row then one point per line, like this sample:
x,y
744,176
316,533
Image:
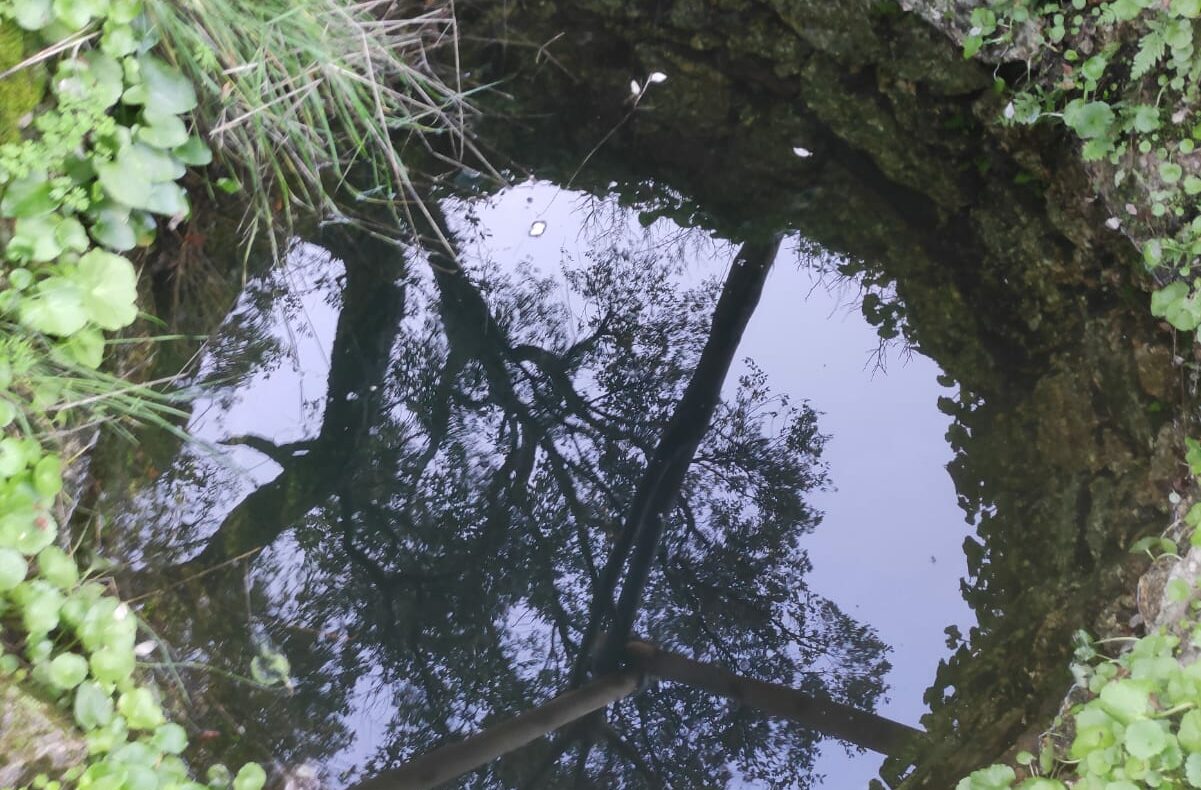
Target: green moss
x,y
20,92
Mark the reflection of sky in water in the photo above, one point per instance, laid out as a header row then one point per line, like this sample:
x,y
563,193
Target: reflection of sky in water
x,y
889,548
888,551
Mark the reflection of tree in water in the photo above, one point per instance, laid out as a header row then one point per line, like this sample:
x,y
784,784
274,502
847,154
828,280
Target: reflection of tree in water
x,y
478,451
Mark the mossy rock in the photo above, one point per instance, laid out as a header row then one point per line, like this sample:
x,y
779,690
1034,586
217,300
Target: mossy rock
x,y
21,92
35,737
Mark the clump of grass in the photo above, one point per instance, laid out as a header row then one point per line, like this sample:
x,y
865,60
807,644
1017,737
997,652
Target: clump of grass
x,y
309,101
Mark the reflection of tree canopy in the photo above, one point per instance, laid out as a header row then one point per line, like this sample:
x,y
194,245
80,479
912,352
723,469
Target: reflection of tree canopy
x,y
479,446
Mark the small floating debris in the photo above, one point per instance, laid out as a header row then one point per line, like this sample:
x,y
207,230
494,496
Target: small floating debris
x,y
1113,223
803,153
538,228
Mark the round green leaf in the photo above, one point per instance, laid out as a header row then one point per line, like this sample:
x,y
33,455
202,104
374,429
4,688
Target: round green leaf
x,y
140,709
13,568
74,14
166,90
32,14
70,235
162,131
250,777
56,308
93,706
1125,700
168,199
111,665
1189,734
111,228
1145,739
194,152
12,456
67,671
1090,120
85,347
171,738
40,604
31,196
109,289
58,567
35,239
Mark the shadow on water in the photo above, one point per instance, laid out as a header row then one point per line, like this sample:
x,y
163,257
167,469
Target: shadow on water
x,y
419,471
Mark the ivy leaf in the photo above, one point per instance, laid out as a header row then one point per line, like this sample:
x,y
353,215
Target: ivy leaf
x,y
108,285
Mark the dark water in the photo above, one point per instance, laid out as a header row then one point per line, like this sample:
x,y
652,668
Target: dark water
x,y
411,475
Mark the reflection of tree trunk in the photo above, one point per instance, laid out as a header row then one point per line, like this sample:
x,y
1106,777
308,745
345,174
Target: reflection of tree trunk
x,y
645,660
823,715
660,485
455,759
372,308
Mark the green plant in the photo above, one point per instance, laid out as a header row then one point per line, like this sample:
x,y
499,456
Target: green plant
x,y
307,98
94,175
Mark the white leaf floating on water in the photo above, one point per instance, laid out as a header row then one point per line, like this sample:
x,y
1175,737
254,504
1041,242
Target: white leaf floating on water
x,y
657,76
803,153
635,88
538,228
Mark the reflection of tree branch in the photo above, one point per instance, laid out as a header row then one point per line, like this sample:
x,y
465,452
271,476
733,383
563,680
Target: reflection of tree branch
x,y
631,753
359,557
282,454
660,485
